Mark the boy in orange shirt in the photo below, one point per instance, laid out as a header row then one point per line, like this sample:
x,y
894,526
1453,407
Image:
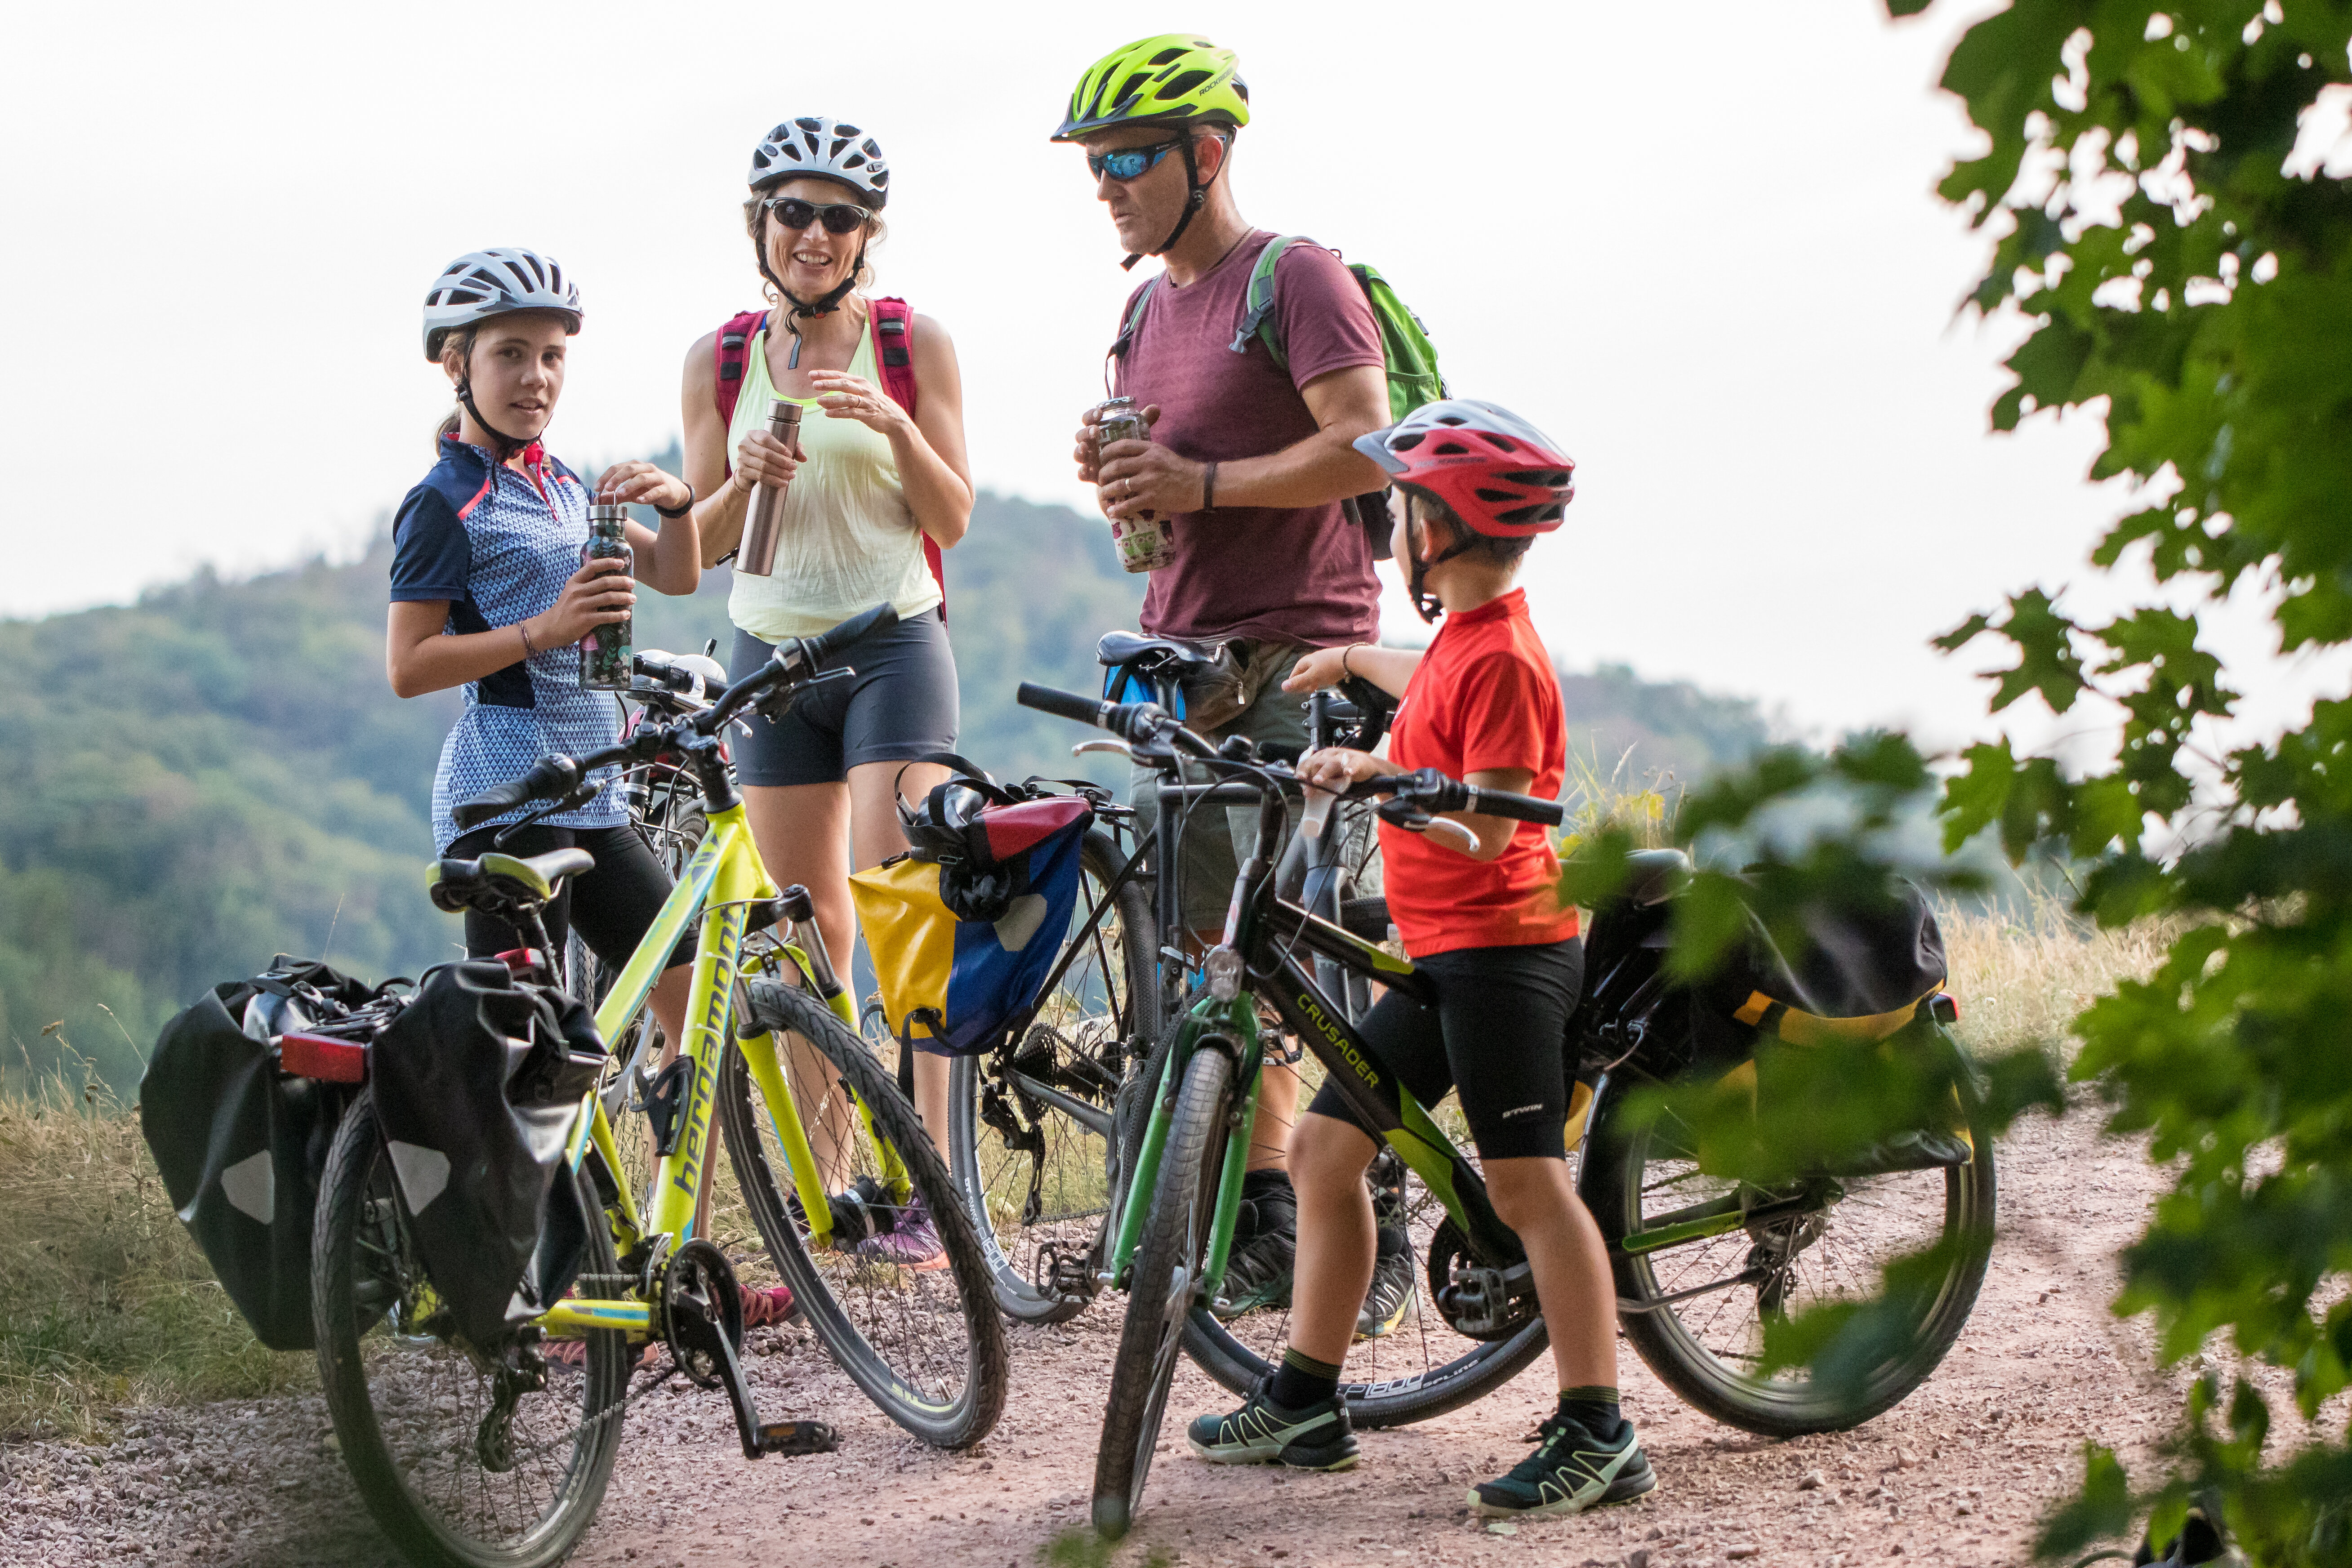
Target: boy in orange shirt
x,y
1477,484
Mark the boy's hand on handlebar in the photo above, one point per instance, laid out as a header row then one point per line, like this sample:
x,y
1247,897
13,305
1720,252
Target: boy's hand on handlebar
x,y
761,458
1334,768
600,592
642,484
1320,667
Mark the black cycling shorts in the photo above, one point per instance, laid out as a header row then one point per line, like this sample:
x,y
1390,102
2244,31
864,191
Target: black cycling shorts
x,y
613,905
1498,1034
901,706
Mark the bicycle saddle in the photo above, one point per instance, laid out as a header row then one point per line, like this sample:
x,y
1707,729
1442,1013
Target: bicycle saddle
x,y
1654,876
502,879
1189,659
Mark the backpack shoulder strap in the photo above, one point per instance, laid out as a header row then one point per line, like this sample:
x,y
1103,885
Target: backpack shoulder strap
x,y
894,337
734,353
893,326
1134,320
1257,319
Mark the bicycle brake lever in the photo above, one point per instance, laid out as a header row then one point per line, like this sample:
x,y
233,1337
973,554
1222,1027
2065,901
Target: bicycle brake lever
x,y
1120,747
1447,828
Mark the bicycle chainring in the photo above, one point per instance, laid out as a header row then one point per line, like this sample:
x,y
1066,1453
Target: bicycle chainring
x,y
700,1299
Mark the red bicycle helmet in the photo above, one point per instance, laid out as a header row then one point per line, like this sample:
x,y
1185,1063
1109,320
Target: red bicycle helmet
x,y
1497,473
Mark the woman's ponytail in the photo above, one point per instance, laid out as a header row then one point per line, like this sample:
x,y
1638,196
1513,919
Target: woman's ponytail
x,y
456,353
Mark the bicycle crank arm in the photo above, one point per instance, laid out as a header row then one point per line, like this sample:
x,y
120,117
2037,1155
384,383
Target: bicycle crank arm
x,y
702,1334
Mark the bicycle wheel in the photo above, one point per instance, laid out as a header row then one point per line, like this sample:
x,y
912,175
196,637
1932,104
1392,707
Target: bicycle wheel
x,y
1707,1345
1030,1125
417,1417
908,1313
1165,1280
1423,1368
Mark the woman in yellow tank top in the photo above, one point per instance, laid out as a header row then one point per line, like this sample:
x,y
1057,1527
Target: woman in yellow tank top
x,y
868,487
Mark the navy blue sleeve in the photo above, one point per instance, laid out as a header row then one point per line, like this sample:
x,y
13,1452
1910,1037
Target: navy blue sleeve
x,y
431,556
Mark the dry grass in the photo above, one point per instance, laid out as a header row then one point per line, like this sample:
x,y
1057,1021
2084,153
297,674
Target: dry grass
x,y
2022,978
104,1300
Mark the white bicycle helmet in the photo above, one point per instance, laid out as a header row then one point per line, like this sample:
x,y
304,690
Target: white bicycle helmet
x,y
498,282
822,147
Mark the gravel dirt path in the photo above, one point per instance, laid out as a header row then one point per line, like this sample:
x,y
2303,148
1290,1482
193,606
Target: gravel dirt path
x,y
1957,1474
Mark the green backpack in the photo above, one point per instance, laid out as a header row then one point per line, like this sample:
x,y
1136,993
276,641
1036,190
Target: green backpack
x,y
1411,359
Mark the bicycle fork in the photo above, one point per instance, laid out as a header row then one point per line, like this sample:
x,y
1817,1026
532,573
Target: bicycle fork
x,y
1228,1026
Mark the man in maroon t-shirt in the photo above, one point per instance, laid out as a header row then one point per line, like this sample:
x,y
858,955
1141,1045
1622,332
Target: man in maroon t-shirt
x,y
1250,459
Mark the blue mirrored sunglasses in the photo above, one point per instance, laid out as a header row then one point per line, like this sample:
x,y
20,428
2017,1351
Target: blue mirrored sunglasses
x,y
1123,163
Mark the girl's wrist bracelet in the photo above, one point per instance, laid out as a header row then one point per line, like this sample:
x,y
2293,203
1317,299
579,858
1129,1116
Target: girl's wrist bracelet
x,y
674,516
1344,652
528,651
1208,488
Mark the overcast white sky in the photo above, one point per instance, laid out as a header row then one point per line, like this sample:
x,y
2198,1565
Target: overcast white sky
x,y
1697,243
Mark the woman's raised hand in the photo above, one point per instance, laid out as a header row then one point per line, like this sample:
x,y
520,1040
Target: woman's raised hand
x,y
599,592
846,396
763,459
642,484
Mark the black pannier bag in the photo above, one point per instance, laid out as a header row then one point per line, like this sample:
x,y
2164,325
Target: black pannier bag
x,y
475,1086
241,1145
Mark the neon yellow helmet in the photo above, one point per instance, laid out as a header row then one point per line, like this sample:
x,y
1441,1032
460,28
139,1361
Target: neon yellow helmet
x,y
1175,78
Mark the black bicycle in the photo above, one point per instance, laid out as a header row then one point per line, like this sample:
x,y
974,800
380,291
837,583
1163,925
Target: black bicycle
x,y
1701,1262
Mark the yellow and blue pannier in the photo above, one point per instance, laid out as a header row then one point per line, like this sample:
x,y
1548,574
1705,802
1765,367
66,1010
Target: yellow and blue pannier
x,y
964,928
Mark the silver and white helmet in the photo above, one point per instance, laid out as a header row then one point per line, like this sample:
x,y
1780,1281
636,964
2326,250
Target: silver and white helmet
x,y
484,283
818,145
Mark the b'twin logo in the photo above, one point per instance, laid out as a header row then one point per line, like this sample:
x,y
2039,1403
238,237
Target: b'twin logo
x,y
1523,1110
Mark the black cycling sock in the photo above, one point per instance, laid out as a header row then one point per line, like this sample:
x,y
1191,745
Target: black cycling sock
x,y
1593,1407
1269,1207
1301,1380
1393,1240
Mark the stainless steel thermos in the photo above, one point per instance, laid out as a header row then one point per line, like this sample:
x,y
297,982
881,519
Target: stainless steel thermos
x,y
606,664
757,554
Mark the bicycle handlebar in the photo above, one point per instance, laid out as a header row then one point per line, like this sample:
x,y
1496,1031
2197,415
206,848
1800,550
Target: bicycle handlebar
x,y
1434,792
547,778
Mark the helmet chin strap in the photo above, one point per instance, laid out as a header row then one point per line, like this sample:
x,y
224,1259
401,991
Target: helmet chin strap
x,y
1425,603
824,305
508,446
1193,202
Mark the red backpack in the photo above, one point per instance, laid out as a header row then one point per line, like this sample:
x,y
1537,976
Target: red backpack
x,y
892,321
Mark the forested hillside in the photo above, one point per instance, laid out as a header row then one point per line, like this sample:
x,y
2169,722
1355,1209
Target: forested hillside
x,y
220,771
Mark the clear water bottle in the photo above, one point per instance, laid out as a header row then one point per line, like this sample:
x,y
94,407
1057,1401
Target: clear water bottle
x,y
604,652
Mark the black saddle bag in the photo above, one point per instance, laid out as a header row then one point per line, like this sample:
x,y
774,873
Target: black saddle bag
x,y
240,1146
475,1087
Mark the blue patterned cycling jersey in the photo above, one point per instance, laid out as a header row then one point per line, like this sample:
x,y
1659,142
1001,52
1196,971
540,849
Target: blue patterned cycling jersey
x,y
499,544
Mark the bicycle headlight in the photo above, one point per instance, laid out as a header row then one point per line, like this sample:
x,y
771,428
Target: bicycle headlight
x,y
1223,968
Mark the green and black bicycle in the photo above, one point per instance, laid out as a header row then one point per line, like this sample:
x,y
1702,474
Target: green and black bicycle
x,y
1701,1263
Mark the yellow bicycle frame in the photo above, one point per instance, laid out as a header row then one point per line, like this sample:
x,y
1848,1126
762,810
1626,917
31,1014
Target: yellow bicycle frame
x,y
723,877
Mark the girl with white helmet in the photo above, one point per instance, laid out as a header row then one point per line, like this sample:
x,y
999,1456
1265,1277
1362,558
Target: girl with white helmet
x,y
488,593
879,486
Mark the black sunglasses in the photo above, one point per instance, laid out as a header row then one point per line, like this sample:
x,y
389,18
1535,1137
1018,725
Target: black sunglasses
x,y
839,218
1125,163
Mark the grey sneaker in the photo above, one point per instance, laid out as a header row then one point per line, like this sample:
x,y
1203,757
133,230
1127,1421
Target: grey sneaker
x,y
1570,1471
1261,1432
1265,1241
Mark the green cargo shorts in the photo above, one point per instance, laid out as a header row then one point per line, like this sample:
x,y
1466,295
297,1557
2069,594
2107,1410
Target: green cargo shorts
x,y
1277,721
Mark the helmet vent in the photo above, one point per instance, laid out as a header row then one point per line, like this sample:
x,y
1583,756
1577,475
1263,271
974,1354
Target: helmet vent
x,y
1183,84
1407,442
1168,57
1550,511
1497,497
1541,478
1451,449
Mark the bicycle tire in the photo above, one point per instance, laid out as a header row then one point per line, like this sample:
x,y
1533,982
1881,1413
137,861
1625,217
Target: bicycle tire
x,y
1673,1341
945,1404
1014,1238
1175,1239
356,1204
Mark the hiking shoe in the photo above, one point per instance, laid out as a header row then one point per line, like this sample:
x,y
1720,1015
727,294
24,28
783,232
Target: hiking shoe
x,y
1390,1297
1265,1241
1261,1432
1570,1471
911,1242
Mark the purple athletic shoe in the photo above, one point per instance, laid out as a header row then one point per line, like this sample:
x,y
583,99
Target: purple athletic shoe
x,y
912,1241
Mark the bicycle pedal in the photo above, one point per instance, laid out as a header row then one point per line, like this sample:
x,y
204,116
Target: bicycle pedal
x,y
791,1438
664,1101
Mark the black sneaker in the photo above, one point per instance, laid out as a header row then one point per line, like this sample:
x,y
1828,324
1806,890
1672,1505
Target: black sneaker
x,y
1261,1432
1390,1297
1570,1471
1266,1244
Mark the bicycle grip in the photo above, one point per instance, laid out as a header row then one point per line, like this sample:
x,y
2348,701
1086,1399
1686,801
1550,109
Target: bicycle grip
x,y
1518,807
824,645
548,778
1065,704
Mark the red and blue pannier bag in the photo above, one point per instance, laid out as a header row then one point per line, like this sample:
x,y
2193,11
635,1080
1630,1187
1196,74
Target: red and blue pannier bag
x,y
964,928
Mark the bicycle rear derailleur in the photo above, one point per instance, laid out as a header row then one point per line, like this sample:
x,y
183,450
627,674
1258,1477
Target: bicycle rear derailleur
x,y
701,1309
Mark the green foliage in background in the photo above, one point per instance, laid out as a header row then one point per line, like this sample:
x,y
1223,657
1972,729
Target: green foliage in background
x,y
2176,275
